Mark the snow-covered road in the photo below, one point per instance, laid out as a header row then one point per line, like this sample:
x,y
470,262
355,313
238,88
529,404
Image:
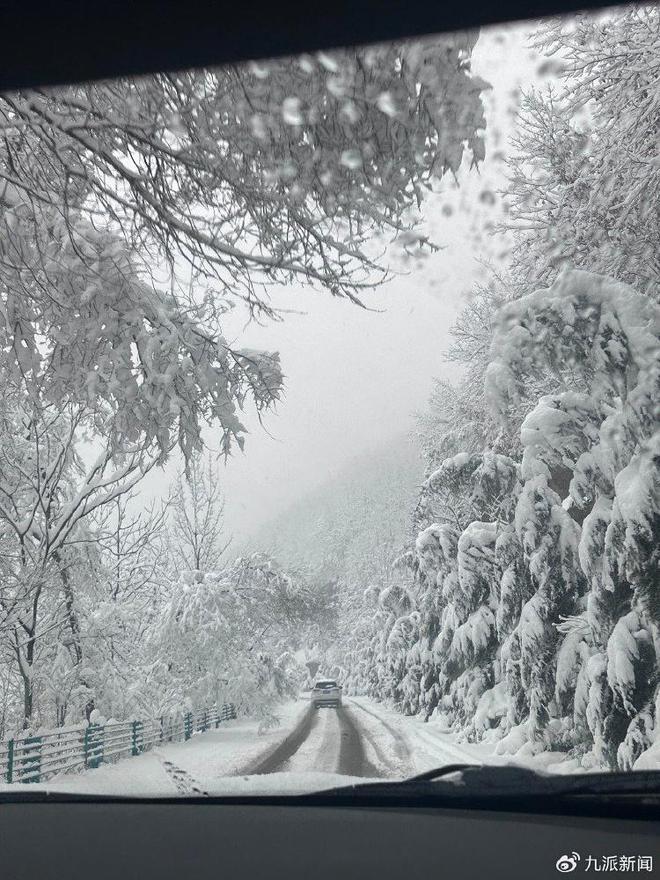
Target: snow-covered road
x,y
362,739
405,746
310,749
326,741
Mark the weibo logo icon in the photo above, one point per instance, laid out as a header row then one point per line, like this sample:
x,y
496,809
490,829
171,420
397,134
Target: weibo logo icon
x,y
566,864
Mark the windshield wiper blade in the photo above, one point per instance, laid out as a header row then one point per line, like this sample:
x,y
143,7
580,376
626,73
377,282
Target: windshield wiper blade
x,y
442,770
511,779
497,784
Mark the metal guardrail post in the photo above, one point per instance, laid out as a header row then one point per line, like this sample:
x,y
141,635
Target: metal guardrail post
x,y
228,711
33,761
93,745
99,733
136,737
10,761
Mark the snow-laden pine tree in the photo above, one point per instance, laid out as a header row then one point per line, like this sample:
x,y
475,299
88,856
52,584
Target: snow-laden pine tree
x,y
535,599
590,457
433,563
563,383
515,589
469,500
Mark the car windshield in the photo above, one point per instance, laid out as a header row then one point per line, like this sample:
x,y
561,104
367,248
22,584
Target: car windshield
x,y
345,365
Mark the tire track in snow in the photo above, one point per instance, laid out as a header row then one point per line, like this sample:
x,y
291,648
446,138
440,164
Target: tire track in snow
x,y
401,748
278,757
352,758
436,751
320,751
326,741
333,741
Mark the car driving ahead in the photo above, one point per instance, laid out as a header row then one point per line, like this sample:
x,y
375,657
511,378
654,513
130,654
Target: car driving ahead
x,y
326,692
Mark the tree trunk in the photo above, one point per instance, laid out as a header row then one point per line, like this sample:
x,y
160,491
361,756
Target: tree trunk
x,y
74,626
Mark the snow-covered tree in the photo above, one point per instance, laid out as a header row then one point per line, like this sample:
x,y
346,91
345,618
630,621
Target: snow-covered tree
x,y
134,214
603,336
535,600
551,640
254,173
196,531
226,636
83,327
53,503
584,179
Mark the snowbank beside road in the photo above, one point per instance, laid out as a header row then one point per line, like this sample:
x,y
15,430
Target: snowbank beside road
x,y
428,745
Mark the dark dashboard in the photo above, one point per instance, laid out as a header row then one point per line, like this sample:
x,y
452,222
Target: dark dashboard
x,y
131,840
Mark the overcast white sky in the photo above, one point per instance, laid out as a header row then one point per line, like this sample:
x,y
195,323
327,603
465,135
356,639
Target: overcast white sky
x,y
355,378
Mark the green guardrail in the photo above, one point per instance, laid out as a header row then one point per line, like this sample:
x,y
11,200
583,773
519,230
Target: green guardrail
x,y
34,758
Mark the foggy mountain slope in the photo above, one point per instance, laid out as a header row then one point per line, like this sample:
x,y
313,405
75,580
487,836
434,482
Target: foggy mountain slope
x,y
338,528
